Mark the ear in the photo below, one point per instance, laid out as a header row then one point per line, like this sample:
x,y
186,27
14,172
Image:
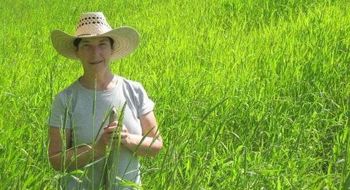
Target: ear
x,y
113,47
76,53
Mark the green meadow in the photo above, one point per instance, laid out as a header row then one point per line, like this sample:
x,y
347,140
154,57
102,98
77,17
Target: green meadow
x,y
249,94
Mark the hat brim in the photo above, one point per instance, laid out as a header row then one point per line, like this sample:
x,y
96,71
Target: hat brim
x,y
126,40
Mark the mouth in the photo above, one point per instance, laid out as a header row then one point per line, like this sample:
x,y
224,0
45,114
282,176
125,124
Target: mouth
x,y
96,62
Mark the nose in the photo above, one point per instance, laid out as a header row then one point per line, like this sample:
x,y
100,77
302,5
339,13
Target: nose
x,y
96,53
95,50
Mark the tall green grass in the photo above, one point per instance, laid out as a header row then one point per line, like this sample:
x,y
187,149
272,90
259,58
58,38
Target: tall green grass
x,y
249,94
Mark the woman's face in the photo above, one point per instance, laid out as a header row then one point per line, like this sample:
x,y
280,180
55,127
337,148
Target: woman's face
x,y
94,52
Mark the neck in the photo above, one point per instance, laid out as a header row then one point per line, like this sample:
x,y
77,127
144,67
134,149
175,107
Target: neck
x,y
103,80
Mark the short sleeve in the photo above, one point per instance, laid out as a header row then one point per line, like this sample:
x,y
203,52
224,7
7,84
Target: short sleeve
x,y
144,104
59,116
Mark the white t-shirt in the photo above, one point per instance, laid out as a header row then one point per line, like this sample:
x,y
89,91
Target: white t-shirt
x,y
73,109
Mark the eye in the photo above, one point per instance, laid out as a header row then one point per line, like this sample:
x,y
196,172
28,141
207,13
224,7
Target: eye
x,y
103,45
85,47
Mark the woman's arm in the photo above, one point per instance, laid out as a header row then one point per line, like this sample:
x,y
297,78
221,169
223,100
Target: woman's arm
x,y
144,146
73,158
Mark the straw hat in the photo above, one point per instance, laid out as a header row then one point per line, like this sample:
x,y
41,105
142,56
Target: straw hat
x,y
94,24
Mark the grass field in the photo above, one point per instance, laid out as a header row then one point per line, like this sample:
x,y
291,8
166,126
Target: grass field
x,y
249,94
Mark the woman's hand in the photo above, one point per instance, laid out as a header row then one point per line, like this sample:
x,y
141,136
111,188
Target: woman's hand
x,y
147,144
107,136
125,136
124,133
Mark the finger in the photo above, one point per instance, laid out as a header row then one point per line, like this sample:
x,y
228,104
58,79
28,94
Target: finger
x,y
123,135
114,123
110,129
124,128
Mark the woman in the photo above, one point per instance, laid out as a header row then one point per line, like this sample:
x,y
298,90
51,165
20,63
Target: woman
x,y
78,136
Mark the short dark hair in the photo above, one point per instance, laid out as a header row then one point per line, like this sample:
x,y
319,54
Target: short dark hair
x,y
78,40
